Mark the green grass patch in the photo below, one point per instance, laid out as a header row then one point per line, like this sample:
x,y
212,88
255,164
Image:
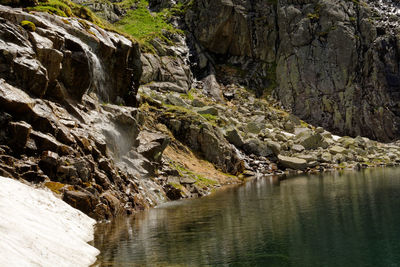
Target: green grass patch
x,y
200,179
209,117
144,25
188,96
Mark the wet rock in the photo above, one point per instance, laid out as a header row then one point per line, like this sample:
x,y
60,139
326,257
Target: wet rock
x,y
36,62
33,176
152,145
67,174
14,100
48,163
83,201
173,193
45,141
83,169
113,203
20,133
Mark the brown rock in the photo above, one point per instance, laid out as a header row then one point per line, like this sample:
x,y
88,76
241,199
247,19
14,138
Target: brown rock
x,y
19,132
83,201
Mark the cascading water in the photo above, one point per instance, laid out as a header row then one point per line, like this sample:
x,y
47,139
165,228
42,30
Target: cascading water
x,y
98,76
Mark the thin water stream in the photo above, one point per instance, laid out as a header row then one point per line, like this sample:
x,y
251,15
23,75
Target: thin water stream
x,y
337,219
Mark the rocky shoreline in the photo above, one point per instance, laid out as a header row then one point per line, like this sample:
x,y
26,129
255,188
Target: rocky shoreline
x,y
112,129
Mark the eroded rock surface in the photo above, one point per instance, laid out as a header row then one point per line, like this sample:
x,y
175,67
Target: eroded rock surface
x,y
332,63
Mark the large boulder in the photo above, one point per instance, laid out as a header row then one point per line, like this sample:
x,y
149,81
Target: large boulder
x,y
152,145
257,147
292,162
233,136
310,140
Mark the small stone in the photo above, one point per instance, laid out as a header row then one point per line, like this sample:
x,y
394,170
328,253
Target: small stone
x,y
337,150
198,103
186,180
208,110
326,157
298,148
253,127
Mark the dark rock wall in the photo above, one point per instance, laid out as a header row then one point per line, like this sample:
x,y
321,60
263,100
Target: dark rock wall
x,y
336,63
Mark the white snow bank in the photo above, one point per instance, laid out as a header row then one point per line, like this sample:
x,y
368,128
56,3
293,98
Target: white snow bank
x,y
38,229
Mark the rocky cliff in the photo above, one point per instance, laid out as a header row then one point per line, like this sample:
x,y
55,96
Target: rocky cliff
x,y
112,126
58,80
332,63
68,91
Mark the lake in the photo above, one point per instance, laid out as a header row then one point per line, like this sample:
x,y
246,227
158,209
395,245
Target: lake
x,y
332,219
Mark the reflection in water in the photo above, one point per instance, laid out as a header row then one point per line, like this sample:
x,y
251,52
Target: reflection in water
x,y
349,219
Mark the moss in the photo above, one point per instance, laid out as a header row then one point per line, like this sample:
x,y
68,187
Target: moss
x,y
54,186
144,25
67,8
313,16
200,179
304,124
209,117
56,7
203,181
188,96
48,9
177,186
28,25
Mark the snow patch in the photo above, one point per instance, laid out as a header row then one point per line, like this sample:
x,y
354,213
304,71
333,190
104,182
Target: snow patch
x,y
38,229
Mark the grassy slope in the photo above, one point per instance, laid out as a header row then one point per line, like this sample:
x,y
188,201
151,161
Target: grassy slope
x,y
139,23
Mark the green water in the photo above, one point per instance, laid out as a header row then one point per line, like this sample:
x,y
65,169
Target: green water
x,y
349,219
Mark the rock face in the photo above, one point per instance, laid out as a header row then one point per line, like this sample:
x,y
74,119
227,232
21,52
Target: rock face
x,y
168,69
333,63
66,58
54,129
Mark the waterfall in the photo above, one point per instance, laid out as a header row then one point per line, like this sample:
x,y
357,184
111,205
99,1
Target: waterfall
x,y
98,76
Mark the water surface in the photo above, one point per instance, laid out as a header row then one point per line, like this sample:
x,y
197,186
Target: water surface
x,y
348,219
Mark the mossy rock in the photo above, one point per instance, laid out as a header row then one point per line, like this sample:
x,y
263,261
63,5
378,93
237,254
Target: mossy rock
x,y
28,25
55,186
